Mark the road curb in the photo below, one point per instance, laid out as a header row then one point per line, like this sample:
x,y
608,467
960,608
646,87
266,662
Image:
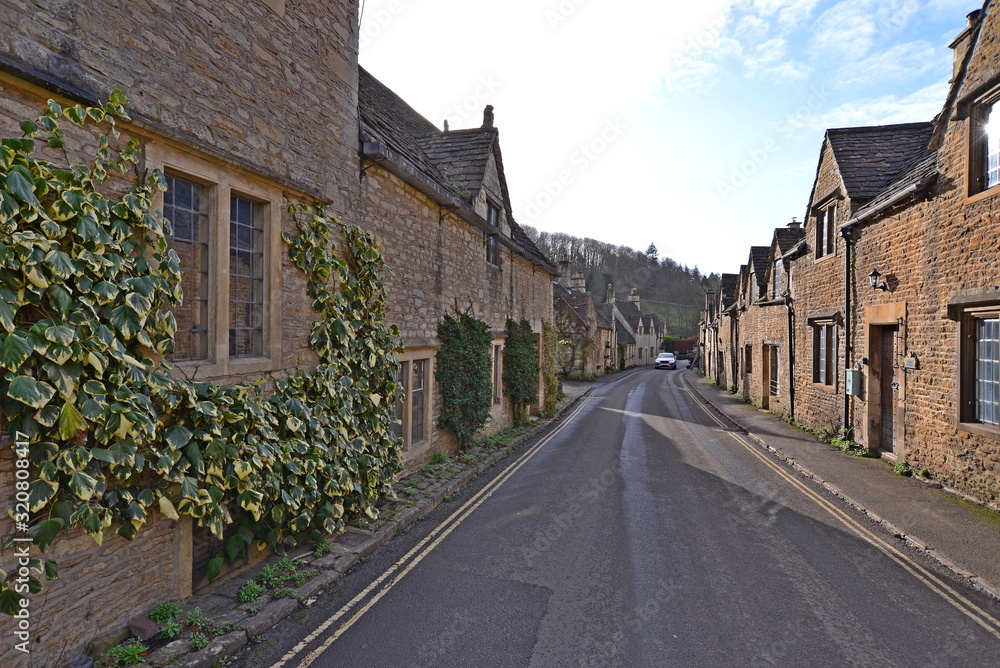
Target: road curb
x,y
348,549
973,580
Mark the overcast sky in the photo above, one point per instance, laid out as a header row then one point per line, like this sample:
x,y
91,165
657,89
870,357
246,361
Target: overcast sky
x,y
695,126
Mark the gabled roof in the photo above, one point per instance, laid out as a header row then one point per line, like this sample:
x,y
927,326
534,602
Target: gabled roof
x,y
630,312
785,238
605,315
870,158
759,259
919,176
461,155
958,81
727,289
448,167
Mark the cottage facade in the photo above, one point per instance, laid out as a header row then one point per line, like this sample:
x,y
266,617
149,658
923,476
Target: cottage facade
x,y
892,294
438,201
248,108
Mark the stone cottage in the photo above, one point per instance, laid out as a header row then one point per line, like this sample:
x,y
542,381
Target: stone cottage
x,y
892,290
439,203
246,108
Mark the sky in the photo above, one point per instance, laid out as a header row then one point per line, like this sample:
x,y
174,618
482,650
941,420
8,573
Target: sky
x,y
693,126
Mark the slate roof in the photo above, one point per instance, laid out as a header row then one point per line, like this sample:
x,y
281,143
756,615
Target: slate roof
x,y
870,158
452,162
630,312
605,315
759,257
461,155
787,237
625,336
727,289
922,173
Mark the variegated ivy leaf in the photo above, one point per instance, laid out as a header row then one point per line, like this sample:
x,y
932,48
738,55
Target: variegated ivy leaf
x,y
30,392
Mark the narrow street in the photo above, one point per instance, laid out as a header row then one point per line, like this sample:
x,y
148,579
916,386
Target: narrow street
x,y
641,530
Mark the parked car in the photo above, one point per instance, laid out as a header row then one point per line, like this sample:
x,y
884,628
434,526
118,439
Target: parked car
x,y
666,361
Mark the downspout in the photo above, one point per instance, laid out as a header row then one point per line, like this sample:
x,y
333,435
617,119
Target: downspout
x,y
845,232
791,353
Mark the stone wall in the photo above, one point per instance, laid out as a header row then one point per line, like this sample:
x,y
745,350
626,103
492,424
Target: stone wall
x,y
436,261
267,96
818,289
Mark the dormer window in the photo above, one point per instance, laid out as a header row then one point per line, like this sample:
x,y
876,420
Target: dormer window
x,y
826,226
991,139
984,163
492,242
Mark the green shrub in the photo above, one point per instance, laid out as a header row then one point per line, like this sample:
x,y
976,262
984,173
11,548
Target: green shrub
x,y
463,372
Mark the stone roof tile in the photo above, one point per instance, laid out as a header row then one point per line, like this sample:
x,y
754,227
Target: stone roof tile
x,y
870,158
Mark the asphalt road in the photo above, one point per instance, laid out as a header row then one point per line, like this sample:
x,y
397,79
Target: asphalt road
x,y
641,531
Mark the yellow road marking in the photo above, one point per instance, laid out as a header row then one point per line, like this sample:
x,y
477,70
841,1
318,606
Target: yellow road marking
x,y
935,584
414,556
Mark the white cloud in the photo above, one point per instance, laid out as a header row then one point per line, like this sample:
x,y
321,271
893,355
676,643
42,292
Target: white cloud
x,y
768,61
789,14
888,109
900,62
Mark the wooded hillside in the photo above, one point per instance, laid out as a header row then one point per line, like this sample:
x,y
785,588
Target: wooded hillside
x,y
672,291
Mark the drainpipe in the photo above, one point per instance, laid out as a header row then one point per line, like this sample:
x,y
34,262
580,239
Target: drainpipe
x,y
845,232
791,354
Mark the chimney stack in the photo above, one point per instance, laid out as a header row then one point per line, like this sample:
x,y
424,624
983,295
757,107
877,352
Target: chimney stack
x,y
634,297
961,44
794,225
488,116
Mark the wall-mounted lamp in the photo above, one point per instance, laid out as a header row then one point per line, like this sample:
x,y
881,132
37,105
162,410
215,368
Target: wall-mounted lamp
x,y
874,282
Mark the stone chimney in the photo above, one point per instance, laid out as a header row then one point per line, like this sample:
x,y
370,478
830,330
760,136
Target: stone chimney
x,y
961,44
446,125
564,267
488,116
794,225
610,299
578,283
633,296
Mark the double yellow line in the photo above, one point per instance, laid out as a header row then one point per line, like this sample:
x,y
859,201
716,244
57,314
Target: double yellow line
x,y
409,561
933,582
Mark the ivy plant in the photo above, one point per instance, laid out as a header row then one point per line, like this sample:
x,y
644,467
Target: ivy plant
x,y
520,367
550,379
463,372
87,284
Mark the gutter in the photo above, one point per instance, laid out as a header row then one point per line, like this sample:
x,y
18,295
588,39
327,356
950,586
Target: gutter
x,y
379,153
895,199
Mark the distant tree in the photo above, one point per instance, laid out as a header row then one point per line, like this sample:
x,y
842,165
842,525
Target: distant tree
x,y
651,252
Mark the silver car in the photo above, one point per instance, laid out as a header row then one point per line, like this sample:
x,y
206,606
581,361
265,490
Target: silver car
x,y
666,361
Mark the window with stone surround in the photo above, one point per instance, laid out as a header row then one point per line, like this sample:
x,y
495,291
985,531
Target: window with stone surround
x,y
492,243
226,233
984,163
826,231
980,369
497,372
824,367
412,405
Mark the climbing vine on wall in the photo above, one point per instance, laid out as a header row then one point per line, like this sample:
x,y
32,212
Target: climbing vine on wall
x,y
87,281
463,372
550,380
520,367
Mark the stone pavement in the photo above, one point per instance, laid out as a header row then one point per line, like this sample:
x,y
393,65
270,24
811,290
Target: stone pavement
x,y
962,535
232,623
